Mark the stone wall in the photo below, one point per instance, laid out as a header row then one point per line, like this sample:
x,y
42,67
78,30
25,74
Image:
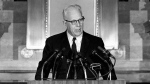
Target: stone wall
x,y
134,16
13,27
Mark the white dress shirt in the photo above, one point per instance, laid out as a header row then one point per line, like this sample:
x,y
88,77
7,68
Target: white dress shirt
x,y
77,41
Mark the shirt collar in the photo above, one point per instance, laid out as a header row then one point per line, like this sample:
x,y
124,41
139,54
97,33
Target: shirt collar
x,y
79,38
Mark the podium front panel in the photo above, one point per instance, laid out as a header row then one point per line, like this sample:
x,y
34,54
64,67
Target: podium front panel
x,y
78,82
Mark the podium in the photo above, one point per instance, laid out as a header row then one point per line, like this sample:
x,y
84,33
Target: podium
x,y
78,82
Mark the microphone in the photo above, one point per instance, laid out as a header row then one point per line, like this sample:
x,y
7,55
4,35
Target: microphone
x,y
70,63
55,67
94,52
85,73
109,66
56,51
106,52
85,64
60,53
107,55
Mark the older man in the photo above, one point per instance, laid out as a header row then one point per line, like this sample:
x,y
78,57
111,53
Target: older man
x,y
74,54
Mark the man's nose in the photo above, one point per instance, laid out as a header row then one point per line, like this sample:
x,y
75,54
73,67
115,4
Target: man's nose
x,y
77,23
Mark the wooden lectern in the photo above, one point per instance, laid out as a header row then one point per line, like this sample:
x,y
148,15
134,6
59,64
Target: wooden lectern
x,y
78,82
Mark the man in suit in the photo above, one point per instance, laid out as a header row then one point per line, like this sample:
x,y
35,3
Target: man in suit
x,y
74,54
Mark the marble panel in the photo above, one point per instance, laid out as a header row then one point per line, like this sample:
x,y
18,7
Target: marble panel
x,y
145,36
6,44
124,37
127,65
133,71
133,0
146,1
6,16
20,12
148,14
8,5
123,6
19,9
145,66
134,5
124,16
144,77
147,5
136,53
1,4
124,33
138,28
7,0
136,45
146,46
146,49
4,28
19,37
128,77
18,65
147,26
138,16
20,0
19,76
135,76
142,4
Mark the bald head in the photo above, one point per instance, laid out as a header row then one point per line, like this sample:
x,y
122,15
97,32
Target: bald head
x,y
73,20
72,11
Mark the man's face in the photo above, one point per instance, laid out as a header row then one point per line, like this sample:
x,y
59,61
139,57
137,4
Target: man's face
x,y
74,22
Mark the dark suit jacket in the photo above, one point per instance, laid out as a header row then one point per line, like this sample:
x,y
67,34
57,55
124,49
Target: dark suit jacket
x,y
89,43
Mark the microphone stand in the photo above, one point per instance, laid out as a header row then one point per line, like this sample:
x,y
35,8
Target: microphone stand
x,y
84,64
47,61
108,54
75,64
55,69
110,76
85,74
58,56
110,68
71,62
69,68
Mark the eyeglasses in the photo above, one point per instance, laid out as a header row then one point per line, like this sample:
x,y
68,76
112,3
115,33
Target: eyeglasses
x,y
73,22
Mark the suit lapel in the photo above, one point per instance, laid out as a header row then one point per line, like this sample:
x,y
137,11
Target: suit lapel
x,y
65,43
84,44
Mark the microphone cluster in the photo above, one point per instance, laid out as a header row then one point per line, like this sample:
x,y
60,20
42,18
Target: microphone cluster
x,y
106,52
107,55
55,67
57,54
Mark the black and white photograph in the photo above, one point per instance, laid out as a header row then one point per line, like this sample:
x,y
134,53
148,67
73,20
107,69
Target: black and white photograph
x,y
74,41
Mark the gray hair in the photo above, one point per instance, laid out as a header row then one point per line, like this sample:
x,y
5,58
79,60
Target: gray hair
x,y
78,7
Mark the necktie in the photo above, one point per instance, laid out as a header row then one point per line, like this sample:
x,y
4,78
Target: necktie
x,y
74,50
74,46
